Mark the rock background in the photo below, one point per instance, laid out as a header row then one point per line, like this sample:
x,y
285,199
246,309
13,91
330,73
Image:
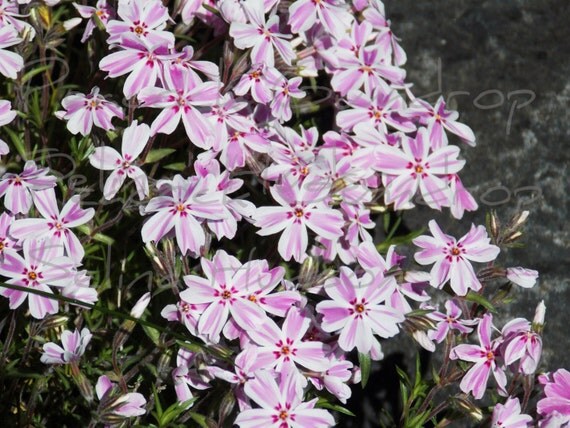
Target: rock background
x,y
498,54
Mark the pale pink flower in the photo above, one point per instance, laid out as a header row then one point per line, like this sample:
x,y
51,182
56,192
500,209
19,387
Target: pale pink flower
x,y
74,344
452,257
335,379
413,167
184,205
357,311
461,200
10,62
525,278
281,404
7,115
140,60
438,119
102,10
256,81
184,61
124,405
84,111
284,91
135,138
522,344
385,39
9,14
145,19
485,358
6,240
557,396
448,321
302,206
179,99
261,36
332,14
226,291
79,288
39,268
509,415
17,189
55,226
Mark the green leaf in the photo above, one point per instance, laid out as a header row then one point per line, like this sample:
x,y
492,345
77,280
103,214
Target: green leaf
x,y
324,404
175,411
152,333
176,166
480,300
199,419
99,237
365,363
17,141
30,74
158,154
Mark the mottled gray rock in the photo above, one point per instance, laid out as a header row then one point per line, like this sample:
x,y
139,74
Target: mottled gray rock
x,y
500,54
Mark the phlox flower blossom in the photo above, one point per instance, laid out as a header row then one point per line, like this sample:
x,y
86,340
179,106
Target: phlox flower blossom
x,y
262,36
10,62
556,403
450,320
17,189
145,19
509,415
6,240
285,90
9,14
257,81
124,405
302,205
522,344
183,92
55,226
461,200
356,309
84,111
281,404
451,257
102,10
227,290
7,115
184,204
485,357
74,344
413,167
335,379
39,268
522,277
332,14
135,139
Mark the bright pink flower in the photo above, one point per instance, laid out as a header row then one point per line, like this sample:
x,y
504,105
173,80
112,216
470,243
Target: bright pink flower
x,y
557,392
183,92
521,343
135,138
74,344
140,60
55,226
10,62
17,189
280,347
261,36
485,358
124,405
448,321
356,309
522,277
451,257
412,167
437,119
379,110
38,269
227,290
185,204
332,14
145,19
82,111
509,415
102,10
302,206
281,404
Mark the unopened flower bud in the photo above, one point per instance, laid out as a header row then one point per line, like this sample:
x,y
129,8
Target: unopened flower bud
x,y
467,406
85,387
513,237
494,225
140,306
538,320
422,338
309,270
519,220
526,278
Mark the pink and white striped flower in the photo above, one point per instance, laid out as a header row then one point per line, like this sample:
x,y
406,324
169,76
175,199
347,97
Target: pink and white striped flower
x,y
106,158
7,115
522,344
284,91
332,14
125,405
84,111
145,19
74,344
10,62
452,257
183,92
356,309
485,357
261,36
185,204
6,240
17,189
55,226
556,403
226,291
102,10
509,415
450,320
38,269
281,404
413,167
302,205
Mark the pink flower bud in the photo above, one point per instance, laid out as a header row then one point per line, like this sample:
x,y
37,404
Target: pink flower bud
x,y
524,277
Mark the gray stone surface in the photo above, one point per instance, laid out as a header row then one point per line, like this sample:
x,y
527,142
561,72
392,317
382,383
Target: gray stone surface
x,y
500,54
